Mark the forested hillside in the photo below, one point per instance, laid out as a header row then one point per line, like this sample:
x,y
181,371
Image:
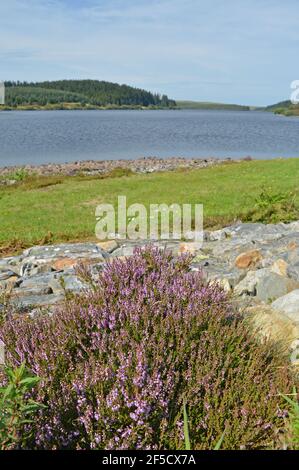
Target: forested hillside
x,y
83,92
284,107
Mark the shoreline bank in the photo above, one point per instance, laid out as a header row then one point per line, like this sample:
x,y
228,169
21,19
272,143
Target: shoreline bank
x,y
94,167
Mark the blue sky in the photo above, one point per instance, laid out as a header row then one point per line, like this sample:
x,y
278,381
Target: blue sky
x,y
217,50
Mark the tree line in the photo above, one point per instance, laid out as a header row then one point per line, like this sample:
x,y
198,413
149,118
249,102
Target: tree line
x,y
93,92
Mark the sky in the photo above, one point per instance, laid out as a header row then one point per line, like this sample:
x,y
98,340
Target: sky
x,y
231,51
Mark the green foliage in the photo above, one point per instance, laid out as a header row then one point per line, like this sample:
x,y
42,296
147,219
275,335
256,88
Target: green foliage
x,y
285,108
16,409
186,428
31,95
273,207
83,92
19,175
219,442
293,419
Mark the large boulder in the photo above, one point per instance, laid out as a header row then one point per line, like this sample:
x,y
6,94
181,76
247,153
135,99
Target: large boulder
x,y
288,305
273,324
265,285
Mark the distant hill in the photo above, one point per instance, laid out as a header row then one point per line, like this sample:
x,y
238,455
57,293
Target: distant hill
x,y
82,93
284,107
208,105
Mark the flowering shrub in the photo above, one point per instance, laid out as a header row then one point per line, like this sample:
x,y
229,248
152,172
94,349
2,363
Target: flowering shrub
x,y
118,362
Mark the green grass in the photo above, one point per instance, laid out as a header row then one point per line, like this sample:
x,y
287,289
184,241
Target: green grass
x,y
52,209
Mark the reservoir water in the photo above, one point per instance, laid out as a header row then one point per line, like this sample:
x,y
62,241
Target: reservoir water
x,y
35,137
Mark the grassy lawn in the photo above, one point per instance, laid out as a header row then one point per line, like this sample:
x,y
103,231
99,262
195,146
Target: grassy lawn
x,y
64,206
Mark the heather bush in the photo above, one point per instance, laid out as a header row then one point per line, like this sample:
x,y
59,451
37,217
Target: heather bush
x,y
118,362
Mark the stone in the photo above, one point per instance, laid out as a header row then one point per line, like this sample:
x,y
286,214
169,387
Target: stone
x,y
258,262
227,279
74,284
280,267
71,250
218,235
109,245
188,248
223,283
200,257
293,271
247,286
292,245
274,325
265,285
9,283
63,263
33,291
248,259
272,285
124,251
288,305
29,269
33,301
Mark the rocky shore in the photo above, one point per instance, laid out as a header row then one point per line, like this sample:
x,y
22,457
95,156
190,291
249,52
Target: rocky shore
x,y
93,167
258,264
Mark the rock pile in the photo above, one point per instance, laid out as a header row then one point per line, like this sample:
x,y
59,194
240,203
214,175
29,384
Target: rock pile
x,y
94,167
258,264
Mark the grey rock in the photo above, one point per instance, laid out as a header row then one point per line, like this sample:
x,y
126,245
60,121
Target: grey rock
x,y
219,235
265,285
41,280
288,305
32,291
35,278
74,284
271,286
225,277
248,285
32,301
29,269
74,250
293,271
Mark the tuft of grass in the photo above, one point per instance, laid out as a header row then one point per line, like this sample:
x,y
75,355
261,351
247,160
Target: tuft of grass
x,y
187,435
186,428
219,442
273,207
18,175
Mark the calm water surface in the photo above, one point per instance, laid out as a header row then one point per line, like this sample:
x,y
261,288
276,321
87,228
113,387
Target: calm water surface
x,y
59,136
